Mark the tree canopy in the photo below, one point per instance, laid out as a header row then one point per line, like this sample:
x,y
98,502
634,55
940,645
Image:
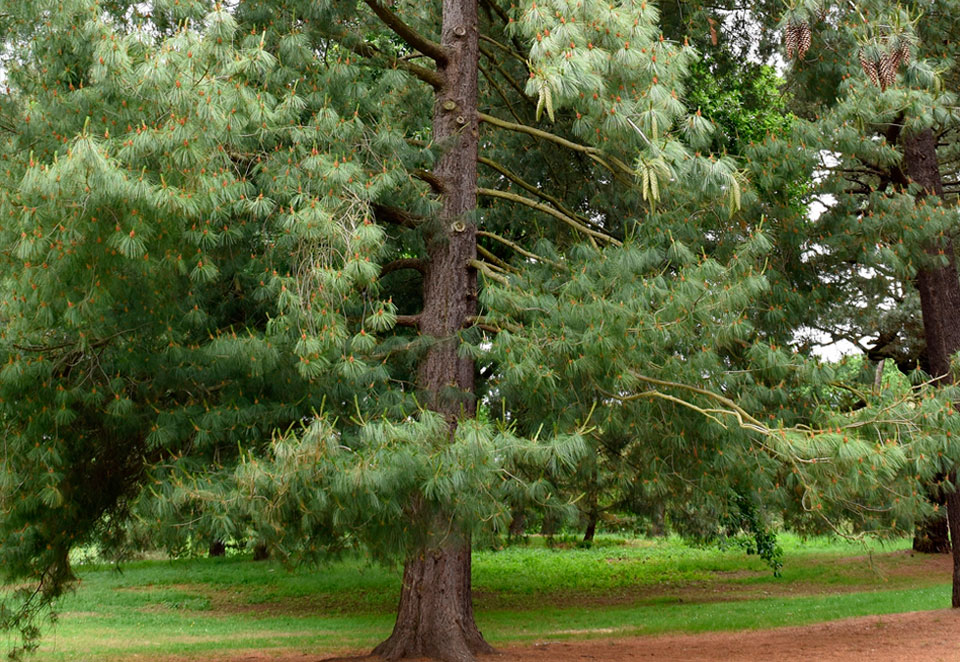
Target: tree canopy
x,y
263,260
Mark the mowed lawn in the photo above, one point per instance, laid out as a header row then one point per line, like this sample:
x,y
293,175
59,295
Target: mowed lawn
x,y
192,608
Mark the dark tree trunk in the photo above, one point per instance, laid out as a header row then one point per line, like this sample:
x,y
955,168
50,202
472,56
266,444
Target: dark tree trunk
x,y
261,552
593,509
549,526
931,536
435,617
939,287
658,521
518,524
953,517
217,548
591,531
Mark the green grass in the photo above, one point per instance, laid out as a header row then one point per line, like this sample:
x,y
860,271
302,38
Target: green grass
x,y
617,587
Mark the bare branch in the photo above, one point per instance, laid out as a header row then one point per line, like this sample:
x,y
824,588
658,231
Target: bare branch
x,y
482,322
486,74
436,184
493,259
506,49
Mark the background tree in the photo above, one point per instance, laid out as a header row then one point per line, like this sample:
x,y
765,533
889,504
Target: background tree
x,y
876,86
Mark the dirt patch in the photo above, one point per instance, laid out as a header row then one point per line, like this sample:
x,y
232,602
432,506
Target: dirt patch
x,y
929,636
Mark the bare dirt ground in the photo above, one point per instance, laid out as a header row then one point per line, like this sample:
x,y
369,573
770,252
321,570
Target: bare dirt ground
x,y
928,636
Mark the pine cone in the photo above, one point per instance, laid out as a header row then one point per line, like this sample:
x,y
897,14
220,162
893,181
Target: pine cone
x,y
803,39
903,53
790,39
887,71
869,67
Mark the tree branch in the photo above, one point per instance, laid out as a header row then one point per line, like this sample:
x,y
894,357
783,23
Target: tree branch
x,y
517,247
487,271
592,152
516,179
481,322
404,263
436,184
413,38
487,255
429,76
510,79
533,204
396,216
486,74
506,49
408,320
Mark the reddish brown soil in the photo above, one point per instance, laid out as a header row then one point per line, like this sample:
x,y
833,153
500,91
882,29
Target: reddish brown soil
x,y
928,636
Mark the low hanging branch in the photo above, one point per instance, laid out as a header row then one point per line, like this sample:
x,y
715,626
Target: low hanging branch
x,y
533,204
744,419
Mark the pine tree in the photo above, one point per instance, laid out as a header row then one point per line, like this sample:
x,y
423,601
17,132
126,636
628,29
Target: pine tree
x,y
256,256
880,97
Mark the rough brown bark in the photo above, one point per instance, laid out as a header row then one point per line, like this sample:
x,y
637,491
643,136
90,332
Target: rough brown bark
x,y
939,288
953,509
435,618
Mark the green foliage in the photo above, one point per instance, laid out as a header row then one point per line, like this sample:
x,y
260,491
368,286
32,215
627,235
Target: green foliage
x,y
744,101
208,321
759,539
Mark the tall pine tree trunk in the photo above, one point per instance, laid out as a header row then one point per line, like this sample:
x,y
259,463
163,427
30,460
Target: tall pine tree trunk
x,y
939,288
435,617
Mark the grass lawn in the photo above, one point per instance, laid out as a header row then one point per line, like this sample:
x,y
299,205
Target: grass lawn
x,y
152,609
